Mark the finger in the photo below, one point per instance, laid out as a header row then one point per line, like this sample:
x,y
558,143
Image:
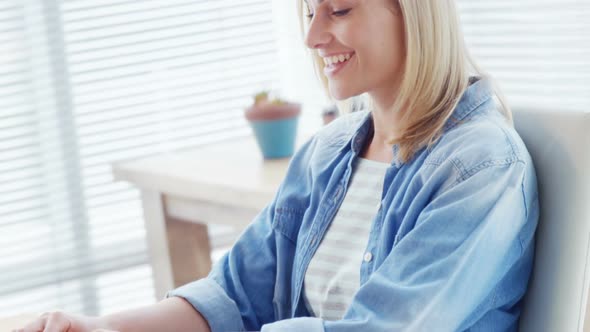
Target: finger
x,y
57,322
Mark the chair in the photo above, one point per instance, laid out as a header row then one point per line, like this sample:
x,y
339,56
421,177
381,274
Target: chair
x,y
559,142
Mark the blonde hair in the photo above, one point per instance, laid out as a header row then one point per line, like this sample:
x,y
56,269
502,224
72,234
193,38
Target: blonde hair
x,y
435,74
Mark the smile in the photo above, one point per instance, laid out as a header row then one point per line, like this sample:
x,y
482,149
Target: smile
x,y
335,59
336,63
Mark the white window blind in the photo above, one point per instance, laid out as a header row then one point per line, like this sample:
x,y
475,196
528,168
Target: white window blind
x,y
87,83
539,50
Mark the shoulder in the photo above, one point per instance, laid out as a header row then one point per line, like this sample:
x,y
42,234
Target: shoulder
x,y
485,140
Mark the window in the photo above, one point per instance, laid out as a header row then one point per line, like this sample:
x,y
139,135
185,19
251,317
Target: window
x,y
87,83
538,50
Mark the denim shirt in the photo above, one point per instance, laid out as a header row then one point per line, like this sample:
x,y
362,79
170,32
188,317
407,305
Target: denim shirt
x,y
451,244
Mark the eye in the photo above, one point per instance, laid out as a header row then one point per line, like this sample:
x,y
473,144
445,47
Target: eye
x,y
340,12
309,14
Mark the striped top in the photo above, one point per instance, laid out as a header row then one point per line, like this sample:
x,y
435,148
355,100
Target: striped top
x,y
333,275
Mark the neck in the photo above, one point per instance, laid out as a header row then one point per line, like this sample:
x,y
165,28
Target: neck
x,y
386,122
385,128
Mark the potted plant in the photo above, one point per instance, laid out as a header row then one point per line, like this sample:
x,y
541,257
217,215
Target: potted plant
x,y
274,123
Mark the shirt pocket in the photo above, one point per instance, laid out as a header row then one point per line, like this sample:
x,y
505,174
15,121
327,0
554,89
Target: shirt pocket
x,y
287,221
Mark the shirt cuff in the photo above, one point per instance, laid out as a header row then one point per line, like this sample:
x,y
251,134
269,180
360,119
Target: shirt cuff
x,y
307,324
211,301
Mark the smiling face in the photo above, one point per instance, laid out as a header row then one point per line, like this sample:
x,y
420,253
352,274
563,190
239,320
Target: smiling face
x,y
361,42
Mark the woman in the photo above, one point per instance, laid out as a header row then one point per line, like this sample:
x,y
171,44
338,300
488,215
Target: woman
x,y
417,215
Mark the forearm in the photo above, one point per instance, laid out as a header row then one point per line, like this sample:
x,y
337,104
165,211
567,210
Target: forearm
x,y
172,314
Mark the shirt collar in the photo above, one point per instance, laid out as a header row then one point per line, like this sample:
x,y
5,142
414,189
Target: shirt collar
x,y
478,92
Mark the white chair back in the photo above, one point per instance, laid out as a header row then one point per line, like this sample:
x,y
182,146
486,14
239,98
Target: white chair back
x,y
559,143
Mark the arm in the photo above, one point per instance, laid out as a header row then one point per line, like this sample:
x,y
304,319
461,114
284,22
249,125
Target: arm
x,y
173,314
237,294
443,275
168,315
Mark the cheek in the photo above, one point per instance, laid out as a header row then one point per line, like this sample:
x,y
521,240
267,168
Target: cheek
x,y
351,36
373,47
390,52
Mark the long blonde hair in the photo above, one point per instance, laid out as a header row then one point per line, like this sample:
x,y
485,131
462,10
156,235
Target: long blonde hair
x,y
435,74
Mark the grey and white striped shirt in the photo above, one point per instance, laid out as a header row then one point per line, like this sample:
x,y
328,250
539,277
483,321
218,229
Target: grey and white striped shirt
x,y
333,275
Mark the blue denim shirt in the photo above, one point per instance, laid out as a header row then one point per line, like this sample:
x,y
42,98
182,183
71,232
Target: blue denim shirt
x,y
452,244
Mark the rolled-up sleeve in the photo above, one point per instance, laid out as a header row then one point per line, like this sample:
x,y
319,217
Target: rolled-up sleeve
x,y
207,297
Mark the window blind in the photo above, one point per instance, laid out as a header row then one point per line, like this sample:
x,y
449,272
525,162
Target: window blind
x,y
84,84
539,50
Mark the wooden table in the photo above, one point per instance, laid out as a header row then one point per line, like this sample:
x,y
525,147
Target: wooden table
x,y
183,192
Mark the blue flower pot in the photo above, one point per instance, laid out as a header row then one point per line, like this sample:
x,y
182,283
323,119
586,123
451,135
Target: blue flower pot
x,y
276,138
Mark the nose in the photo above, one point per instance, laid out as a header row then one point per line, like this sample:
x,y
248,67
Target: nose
x,y
318,33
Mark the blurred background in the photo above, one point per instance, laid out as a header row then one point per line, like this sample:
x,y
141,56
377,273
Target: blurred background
x,y
87,83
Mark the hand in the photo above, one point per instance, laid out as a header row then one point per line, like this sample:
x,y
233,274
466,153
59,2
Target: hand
x,y
63,322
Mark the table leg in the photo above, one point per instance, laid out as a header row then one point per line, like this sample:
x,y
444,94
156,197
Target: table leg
x,y
157,241
190,251
179,250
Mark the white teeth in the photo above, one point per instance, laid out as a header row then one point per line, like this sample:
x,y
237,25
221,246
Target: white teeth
x,y
336,59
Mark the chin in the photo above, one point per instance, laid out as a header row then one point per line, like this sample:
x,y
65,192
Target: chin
x,y
341,92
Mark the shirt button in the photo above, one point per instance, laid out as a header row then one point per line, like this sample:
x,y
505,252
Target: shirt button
x,y
368,257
